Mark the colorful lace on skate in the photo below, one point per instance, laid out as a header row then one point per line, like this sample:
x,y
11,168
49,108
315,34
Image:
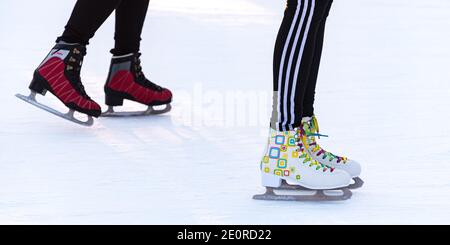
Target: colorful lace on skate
x,y
302,144
313,131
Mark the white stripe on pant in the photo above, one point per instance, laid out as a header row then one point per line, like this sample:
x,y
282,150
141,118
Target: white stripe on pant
x,y
290,87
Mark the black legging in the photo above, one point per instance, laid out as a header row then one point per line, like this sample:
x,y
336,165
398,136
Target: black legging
x,y
296,61
89,15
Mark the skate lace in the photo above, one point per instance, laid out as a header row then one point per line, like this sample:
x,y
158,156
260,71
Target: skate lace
x,y
312,132
74,65
140,74
307,159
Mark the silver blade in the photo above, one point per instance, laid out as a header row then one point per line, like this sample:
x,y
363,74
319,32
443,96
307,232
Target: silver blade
x,y
150,111
31,99
319,196
358,183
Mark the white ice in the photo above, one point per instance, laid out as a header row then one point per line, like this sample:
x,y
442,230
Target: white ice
x,y
383,96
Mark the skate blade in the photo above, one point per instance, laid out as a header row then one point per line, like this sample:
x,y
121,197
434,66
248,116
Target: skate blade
x,y
358,183
149,112
31,99
318,196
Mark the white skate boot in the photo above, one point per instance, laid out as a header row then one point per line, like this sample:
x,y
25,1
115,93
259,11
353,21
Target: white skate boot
x,y
311,128
287,161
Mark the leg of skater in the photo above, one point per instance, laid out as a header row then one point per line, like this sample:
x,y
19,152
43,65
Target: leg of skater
x,y
126,79
287,158
308,100
309,121
295,54
87,17
130,18
59,73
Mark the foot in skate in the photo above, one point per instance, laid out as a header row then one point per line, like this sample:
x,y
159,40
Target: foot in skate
x,y
126,81
287,161
59,74
311,129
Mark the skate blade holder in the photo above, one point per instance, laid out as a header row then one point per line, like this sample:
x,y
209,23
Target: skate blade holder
x,y
70,116
357,183
150,111
287,192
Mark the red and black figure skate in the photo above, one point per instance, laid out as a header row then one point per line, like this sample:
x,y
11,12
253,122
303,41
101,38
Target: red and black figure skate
x,y
59,74
127,81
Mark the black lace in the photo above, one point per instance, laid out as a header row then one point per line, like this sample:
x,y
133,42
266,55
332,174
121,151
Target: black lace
x,y
75,62
140,75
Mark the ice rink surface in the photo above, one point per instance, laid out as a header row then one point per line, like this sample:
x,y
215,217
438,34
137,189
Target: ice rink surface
x,y
383,96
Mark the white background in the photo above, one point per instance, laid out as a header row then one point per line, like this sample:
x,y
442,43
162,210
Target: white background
x,y
383,96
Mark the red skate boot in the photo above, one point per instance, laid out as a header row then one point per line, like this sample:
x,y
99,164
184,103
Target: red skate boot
x,y
127,81
59,74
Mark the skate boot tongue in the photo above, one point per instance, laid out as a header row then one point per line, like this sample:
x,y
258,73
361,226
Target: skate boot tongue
x,y
311,127
74,62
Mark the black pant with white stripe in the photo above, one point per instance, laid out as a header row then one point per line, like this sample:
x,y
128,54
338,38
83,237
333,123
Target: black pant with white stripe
x,y
296,61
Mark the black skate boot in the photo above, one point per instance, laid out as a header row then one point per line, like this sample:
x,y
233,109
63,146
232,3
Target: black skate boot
x,y
127,81
59,74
